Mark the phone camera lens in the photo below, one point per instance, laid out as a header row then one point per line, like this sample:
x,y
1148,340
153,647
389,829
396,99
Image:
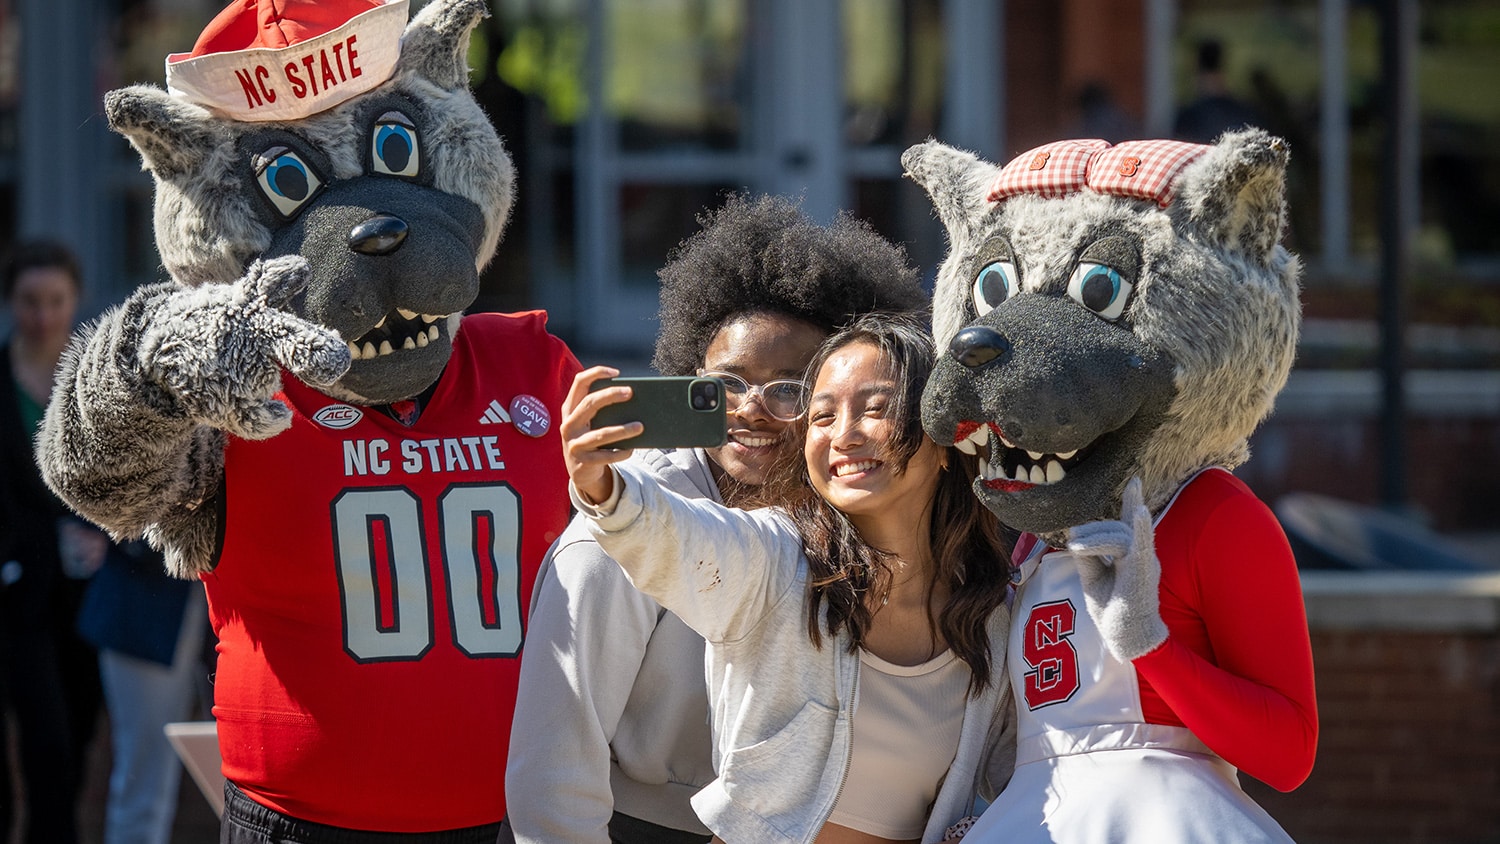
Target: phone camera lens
x,y
704,395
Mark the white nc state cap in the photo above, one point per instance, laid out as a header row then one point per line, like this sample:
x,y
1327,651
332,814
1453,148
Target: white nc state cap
x,y
286,59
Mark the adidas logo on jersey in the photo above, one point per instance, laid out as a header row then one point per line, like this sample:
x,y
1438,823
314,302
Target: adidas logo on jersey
x,y
494,414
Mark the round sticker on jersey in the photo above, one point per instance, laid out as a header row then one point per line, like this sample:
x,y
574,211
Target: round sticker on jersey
x,y
338,416
529,415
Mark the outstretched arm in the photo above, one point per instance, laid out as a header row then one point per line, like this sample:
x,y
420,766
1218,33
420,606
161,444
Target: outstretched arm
x,y
115,445
133,437
717,568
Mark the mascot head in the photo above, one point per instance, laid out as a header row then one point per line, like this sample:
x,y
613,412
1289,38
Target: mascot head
x,y
1107,312
338,132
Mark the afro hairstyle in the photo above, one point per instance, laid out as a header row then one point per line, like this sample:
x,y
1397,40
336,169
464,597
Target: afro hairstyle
x,y
763,255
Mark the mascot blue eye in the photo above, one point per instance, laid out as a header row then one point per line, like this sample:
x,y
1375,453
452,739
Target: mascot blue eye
x,y
286,180
1099,288
394,150
995,283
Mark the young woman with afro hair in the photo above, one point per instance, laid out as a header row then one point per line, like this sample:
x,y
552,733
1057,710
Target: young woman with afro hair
x,y
611,733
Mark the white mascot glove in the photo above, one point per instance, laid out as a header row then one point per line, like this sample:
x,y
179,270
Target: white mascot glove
x,y
217,349
1121,576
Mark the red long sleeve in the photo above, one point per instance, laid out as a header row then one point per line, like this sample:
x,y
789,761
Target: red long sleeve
x,y
1237,666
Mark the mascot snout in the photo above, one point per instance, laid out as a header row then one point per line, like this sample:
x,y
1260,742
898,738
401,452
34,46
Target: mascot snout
x,y
1041,438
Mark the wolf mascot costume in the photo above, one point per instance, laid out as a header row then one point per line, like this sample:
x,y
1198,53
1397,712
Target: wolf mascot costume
x,y
1117,321
364,479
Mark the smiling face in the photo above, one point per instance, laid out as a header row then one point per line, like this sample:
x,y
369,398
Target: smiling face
x,y
850,433
758,348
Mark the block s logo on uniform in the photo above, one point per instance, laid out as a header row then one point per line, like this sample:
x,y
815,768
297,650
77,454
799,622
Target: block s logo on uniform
x,y
1052,662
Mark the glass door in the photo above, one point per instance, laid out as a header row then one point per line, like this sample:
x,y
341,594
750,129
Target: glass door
x,y
684,101
695,98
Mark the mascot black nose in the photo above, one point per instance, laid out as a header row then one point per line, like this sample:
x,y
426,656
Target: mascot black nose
x,y
976,346
382,234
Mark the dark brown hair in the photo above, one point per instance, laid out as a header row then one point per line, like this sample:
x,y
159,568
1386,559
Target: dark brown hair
x,y
970,551
35,254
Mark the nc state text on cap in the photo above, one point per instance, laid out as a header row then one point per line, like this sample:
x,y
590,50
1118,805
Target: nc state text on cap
x,y
328,72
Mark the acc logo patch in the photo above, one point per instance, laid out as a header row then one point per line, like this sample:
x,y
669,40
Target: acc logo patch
x,y
338,416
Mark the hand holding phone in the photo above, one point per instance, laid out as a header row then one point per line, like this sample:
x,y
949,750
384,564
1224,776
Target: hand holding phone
x,y
587,452
601,407
685,411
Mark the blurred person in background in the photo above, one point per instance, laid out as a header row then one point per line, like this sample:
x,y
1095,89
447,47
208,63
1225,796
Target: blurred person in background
x,y
49,676
151,630
1215,110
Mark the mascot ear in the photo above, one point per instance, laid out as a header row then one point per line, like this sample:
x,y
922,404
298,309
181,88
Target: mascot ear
x,y
1233,196
172,135
957,181
435,45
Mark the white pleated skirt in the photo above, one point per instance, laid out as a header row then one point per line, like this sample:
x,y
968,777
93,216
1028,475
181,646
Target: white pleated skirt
x,y
1132,794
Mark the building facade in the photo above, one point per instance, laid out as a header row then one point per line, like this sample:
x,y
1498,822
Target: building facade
x,y
628,118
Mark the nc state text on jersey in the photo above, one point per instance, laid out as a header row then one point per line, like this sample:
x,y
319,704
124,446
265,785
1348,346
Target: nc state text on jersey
x,y
318,72
448,454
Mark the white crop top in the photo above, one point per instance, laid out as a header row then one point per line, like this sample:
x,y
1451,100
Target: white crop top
x,y
907,720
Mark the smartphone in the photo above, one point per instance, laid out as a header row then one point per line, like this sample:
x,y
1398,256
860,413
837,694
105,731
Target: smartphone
x,y
683,411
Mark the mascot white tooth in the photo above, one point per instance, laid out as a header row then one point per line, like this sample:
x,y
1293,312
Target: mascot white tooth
x,y
1117,320
364,479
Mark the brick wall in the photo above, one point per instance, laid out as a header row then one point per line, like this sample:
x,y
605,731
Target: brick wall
x,y
1324,437
1408,673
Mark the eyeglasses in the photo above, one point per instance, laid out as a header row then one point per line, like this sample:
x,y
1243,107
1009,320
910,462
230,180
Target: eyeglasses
x,y
784,399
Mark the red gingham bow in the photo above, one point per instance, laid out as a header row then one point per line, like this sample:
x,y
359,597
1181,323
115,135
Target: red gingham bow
x,y
1137,169
1053,170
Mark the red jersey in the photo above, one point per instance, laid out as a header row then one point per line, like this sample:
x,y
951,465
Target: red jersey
x,y
370,591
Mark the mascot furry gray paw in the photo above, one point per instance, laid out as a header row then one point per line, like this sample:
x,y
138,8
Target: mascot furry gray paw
x,y
364,478
1117,321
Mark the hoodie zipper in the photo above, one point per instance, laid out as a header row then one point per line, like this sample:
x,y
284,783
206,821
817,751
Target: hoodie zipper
x,y
848,752
1002,692
997,725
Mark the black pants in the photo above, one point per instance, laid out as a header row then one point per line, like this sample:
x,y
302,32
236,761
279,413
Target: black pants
x,y
248,822
623,829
